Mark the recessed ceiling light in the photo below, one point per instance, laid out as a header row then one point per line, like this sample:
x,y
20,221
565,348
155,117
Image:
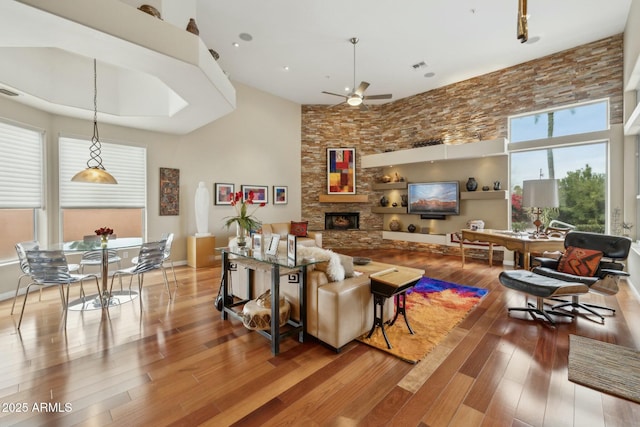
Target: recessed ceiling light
x,y
286,68
246,37
429,74
346,89
236,44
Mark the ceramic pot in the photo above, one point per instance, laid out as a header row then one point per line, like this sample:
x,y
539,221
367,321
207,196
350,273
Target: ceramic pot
x,y
411,228
496,185
394,225
485,188
192,27
472,184
384,202
404,202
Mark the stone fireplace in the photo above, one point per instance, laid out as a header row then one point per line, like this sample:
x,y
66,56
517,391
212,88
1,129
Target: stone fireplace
x,y
342,220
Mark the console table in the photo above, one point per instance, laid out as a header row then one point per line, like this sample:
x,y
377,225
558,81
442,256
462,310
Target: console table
x,y
519,242
278,266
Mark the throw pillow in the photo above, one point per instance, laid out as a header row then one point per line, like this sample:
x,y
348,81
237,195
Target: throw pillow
x,y
347,264
580,262
299,229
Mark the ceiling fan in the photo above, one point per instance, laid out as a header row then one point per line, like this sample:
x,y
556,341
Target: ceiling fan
x,y
357,96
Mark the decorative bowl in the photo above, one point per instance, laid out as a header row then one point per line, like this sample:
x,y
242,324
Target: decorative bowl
x,y
358,260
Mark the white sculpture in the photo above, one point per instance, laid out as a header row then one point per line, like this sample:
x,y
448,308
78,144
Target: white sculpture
x,y
202,210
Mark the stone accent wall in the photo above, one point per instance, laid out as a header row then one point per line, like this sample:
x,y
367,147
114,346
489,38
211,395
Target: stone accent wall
x,y
472,110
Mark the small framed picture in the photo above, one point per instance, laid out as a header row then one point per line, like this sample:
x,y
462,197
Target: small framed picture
x,y
224,193
280,194
272,248
291,248
257,243
260,193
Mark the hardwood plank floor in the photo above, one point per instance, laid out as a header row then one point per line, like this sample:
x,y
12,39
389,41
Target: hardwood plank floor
x,y
179,364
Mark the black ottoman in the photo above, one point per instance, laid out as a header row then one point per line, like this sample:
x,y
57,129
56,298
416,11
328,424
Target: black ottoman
x,y
540,287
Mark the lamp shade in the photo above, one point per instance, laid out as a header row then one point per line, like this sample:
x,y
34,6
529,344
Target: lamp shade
x,y
540,193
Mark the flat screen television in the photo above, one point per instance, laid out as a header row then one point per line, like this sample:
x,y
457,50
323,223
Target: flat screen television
x,y
434,200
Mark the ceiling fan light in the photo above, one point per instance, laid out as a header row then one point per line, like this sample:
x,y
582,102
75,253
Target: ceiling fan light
x,y
354,100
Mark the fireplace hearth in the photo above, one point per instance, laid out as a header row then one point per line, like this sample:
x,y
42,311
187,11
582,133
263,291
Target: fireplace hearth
x,y
342,220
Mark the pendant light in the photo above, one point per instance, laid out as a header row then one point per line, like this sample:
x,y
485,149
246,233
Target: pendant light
x,y
95,172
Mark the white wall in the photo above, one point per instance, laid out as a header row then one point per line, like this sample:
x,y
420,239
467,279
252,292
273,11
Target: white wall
x,y
257,144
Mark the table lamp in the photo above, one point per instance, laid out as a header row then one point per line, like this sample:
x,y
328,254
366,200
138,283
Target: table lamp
x,y
539,194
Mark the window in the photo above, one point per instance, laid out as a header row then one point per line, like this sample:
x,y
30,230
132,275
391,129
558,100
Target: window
x,y
85,207
572,120
20,186
579,163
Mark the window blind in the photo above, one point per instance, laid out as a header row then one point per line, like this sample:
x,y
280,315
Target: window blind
x,y
128,165
20,167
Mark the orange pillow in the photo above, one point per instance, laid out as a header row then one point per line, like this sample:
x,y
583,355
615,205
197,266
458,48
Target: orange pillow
x,y
580,262
299,229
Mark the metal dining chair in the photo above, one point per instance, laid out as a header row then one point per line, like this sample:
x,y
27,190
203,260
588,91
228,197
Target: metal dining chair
x,y
150,257
21,249
50,268
94,257
168,238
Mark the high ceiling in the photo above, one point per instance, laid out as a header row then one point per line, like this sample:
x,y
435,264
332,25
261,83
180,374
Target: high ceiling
x,y
456,39
155,75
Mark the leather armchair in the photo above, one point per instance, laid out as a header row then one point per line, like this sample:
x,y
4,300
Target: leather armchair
x,y
609,269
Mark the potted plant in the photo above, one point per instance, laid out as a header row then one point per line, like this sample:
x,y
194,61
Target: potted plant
x,y
245,221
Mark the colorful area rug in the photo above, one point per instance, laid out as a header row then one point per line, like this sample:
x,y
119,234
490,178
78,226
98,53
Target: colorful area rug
x,y
606,367
434,308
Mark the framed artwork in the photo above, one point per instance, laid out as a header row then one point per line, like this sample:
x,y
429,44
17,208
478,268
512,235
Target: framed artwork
x,y
257,243
169,191
341,171
291,249
260,193
224,193
272,248
280,195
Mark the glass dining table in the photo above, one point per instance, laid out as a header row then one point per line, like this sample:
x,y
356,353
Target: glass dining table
x,y
105,298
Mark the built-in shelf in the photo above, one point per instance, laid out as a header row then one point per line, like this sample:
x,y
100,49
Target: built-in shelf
x,y
391,210
343,198
483,195
389,185
472,150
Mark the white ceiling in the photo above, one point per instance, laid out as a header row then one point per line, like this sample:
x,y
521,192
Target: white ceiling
x,y
457,39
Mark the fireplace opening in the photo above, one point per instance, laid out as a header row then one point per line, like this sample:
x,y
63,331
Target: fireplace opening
x,y
342,220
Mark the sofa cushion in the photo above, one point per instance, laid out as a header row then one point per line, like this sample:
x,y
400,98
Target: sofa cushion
x,y
580,261
299,228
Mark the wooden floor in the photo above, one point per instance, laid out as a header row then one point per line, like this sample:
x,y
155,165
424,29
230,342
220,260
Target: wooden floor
x,y
179,364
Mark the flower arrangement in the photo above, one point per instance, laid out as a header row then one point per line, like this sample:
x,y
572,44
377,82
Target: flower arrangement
x,y
244,219
104,231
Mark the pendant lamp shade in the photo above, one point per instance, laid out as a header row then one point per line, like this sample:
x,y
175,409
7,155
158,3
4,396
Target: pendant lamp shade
x,y
95,172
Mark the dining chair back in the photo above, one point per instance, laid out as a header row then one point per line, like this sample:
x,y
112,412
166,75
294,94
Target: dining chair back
x,y
168,238
50,268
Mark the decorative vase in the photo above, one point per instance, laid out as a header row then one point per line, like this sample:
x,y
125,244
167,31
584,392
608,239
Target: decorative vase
x,y
404,202
485,188
384,202
241,236
104,239
496,185
394,225
472,184
411,228
192,27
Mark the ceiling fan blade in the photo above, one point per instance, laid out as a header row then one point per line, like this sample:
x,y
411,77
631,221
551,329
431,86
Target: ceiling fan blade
x,y
363,107
337,105
335,94
385,96
363,86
